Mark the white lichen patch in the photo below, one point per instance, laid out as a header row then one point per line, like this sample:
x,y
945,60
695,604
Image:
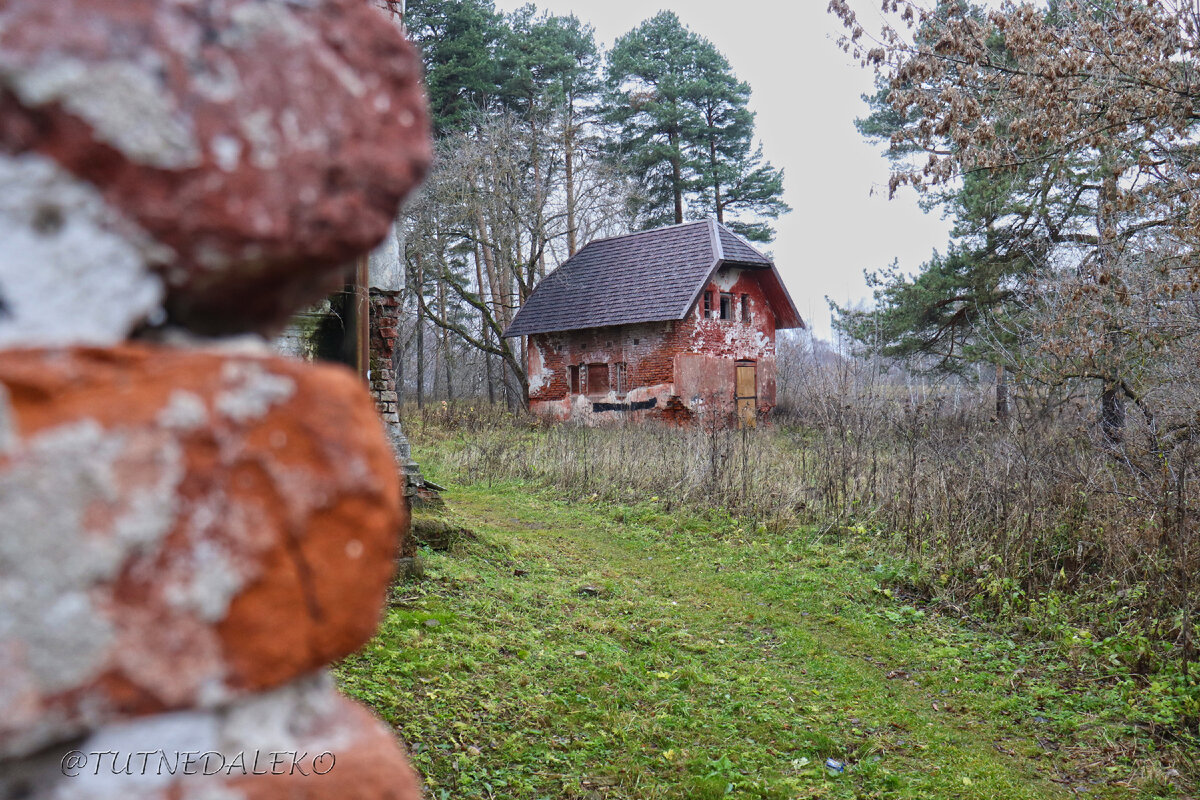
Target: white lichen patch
x,y
72,270
299,713
211,791
76,502
184,411
227,151
208,585
305,719
249,21
250,391
164,738
124,102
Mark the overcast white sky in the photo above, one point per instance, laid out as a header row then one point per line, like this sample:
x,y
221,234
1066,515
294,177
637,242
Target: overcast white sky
x,y
807,95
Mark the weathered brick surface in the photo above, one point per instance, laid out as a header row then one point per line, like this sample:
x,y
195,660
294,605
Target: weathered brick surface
x,y
385,374
240,152
187,533
180,527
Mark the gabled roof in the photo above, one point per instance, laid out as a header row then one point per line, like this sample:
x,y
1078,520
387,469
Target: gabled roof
x,y
650,276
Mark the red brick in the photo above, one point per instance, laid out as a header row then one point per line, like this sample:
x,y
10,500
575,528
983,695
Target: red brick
x,y
219,523
263,142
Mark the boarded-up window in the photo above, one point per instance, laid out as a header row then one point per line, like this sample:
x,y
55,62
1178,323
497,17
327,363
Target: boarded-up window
x,y
746,308
597,378
573,371
726,305
619,378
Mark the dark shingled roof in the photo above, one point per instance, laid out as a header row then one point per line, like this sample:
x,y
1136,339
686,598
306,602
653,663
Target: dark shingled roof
x,y
650,276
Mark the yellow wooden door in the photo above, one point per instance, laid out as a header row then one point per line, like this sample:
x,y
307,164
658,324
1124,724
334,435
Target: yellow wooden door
x,y
746,394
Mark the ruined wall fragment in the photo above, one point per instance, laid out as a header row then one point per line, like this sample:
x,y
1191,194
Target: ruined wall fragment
x,y
191,528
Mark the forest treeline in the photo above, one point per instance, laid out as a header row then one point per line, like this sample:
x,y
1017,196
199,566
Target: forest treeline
x,y
1061,141
544,141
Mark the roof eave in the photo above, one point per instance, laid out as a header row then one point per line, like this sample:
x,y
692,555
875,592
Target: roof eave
x,y
787,317
510,333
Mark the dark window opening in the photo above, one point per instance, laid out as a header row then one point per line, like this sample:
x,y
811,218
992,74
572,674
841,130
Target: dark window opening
x,y
573,370
746,308
708,305
597,378
637,341
619,377
726,305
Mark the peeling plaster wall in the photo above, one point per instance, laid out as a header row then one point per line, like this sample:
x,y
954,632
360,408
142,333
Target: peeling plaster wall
x,y
686,366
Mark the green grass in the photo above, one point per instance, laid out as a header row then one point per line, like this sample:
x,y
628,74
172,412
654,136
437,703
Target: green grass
x,y
705,660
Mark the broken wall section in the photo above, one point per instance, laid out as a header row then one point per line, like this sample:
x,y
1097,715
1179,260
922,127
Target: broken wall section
x,y
319,333
192,528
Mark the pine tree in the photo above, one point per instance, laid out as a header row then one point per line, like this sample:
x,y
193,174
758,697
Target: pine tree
x,y
651,70
732,175
577,94
687,131
458,41
552,65
1023,205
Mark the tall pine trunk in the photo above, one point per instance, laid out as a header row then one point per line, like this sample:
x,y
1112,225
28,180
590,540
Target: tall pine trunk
x,y
1112,400
716,176
1001,393
484,330
676,175
448,367
569,177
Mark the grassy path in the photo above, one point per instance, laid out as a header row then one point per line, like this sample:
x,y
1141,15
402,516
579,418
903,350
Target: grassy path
x,y
584,651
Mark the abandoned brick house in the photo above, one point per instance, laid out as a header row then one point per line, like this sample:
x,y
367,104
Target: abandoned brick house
x,y
672,323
